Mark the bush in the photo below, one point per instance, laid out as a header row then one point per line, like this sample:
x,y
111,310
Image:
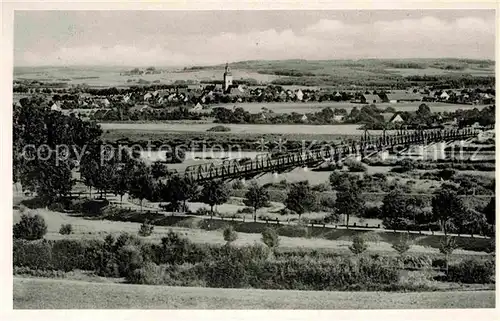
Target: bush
x,y
202,211
219,128
417,262
270,238
146,229
229,234
36,255
172,275
472,271
372,212
293,230
31,227
358,245
66,229
245,210
439,263
355,166
129,258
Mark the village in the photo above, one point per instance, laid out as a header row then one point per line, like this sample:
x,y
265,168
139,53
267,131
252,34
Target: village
x,y
197,101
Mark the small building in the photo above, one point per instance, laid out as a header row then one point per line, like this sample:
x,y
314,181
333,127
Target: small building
x,y
338,118
147,96
299,95
397,119
105,102
444,96
197,107
303,118
55,107
370,99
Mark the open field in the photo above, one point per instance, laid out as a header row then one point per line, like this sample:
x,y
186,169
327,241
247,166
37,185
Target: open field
x,y
88,228
351,129
312,107
31,293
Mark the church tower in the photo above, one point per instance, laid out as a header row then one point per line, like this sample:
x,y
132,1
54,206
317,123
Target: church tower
x,y
228,78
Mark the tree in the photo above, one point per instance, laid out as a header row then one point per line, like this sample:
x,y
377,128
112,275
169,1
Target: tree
x,y
230,234
300,198
31,227
270,238
159,169
214,192
397,206
358,245
180,189
121,182
403,244
256,197
445,206
141,183
49,172
349,200
489,211
446,247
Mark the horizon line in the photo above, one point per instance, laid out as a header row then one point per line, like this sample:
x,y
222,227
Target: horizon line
x,y
249,60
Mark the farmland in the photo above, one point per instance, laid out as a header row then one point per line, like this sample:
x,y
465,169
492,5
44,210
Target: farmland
x,y
312,107
66,294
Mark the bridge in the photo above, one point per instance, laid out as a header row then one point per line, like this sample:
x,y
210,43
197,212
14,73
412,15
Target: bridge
x,y
312,157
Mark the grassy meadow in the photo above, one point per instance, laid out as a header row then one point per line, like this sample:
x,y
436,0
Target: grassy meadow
x,y
32,293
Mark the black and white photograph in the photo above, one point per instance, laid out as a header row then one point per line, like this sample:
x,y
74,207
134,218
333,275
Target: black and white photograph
x,y
253,159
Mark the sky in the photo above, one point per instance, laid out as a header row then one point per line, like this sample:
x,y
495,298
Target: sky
x,y
186,38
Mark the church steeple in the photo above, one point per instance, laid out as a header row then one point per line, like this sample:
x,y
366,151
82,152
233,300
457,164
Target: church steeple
x,y
227,71
228,78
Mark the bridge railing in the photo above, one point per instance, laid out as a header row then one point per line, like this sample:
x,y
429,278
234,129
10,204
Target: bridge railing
x,y
320,154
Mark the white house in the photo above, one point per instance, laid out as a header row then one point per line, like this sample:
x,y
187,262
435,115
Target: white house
x,y
338,118
197,107
147,96
303,118
397,119
299,94
444,95
55,107
105,102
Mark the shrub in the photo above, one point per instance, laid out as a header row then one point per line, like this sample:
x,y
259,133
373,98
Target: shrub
x,y
219,128
202,211
355,166
245,210
173,275
439,263
150,273
224,273
229,234
270,238
358,245
66,229
129,258
146,229
417,262
237,184
472,271
31,227
372,212
35,255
